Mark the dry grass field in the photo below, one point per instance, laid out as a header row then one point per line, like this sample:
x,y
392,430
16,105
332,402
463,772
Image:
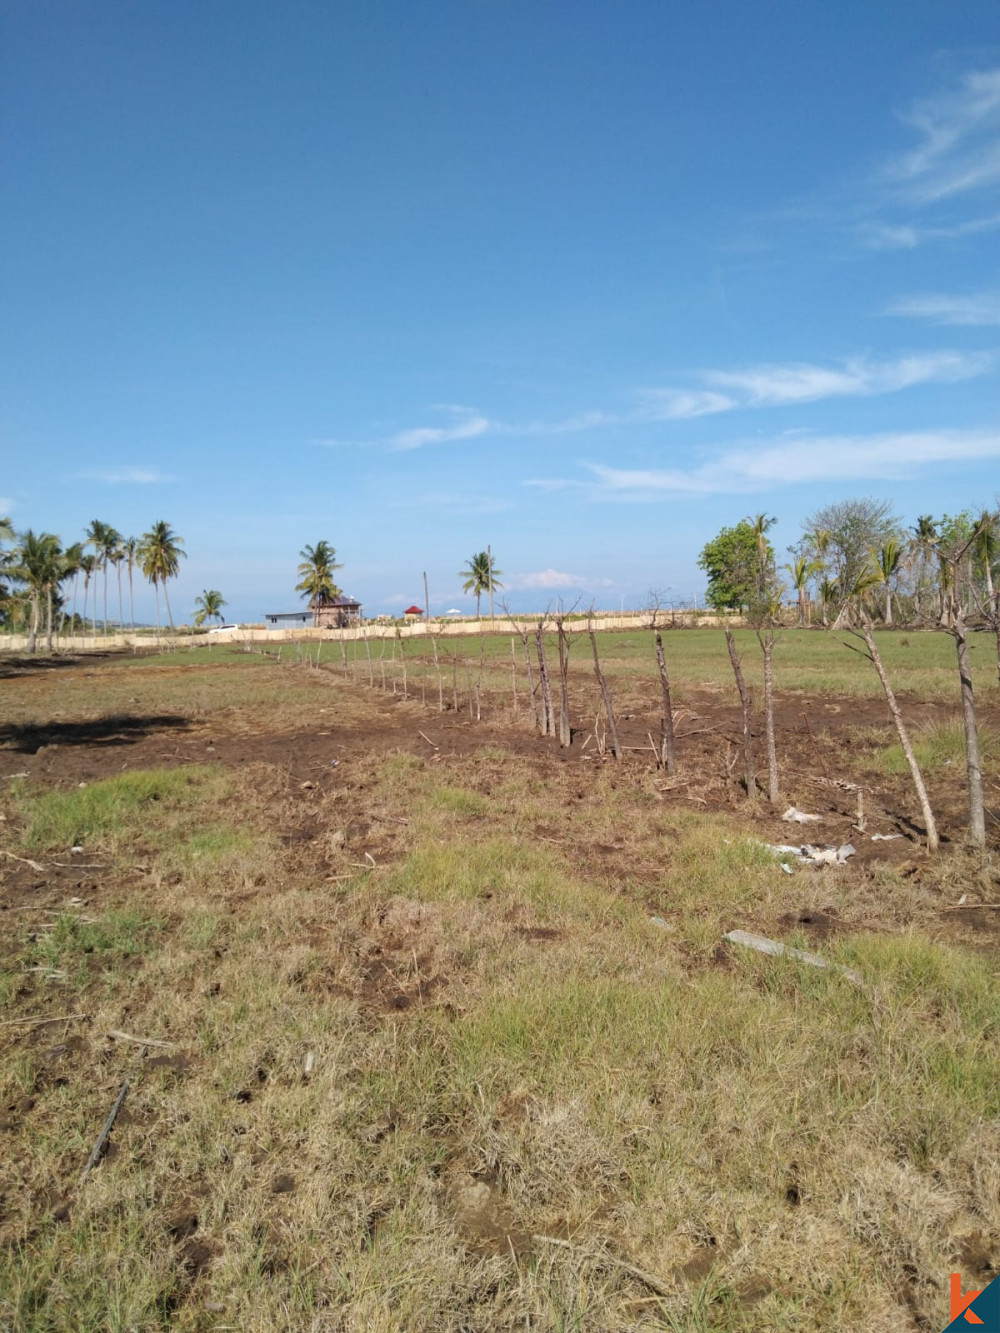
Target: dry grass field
x,y
441,1029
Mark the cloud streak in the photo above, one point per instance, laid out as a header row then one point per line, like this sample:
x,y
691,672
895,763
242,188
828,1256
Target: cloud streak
x,y
129,476
975,310
892,456
959,148
466,425
554,579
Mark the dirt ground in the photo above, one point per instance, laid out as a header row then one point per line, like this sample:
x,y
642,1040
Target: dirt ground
x,y
823,742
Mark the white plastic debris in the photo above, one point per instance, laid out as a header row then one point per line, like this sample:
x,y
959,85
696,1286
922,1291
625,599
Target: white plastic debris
x,y
793,816
763,945
811,855
77,850
885,837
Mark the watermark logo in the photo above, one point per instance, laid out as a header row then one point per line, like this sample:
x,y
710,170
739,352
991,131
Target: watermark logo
x,y
974,1309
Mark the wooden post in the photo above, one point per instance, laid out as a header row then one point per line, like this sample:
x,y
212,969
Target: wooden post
x,y
565,734
668,757
741,685
616,748
548,719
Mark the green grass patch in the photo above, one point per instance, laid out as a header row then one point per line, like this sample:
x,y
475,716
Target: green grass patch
x,y
938,745
105,812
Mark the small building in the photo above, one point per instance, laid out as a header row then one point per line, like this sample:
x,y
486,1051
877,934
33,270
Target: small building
x,y
413,612
335,612
288,619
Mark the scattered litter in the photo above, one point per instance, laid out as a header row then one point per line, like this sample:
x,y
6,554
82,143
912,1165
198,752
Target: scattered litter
x,y
77,850
9,777
885,837
786,867
659,921
810,855
81,784
963,900
793,816
306,786
76,902
763,945
334,763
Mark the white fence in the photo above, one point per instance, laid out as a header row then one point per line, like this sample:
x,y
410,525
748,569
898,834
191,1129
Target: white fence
x,y
372,630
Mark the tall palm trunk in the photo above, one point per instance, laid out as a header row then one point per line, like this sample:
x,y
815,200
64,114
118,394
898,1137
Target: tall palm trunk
x,y
166,598
802,606
104,568
888,606
973,762
156,590
48,618
121,618
76,589
33,616
131,607
904,737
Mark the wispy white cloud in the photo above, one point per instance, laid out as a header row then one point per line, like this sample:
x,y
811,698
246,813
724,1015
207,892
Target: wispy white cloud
x,y
959,141
129,476
554,579
884,236
466,424
974,310
892,456
789,383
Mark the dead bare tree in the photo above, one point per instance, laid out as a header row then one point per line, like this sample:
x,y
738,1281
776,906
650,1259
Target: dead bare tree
x,y
565,731
616,748
741,685
865,633
668,755
548,717
954,622
525,638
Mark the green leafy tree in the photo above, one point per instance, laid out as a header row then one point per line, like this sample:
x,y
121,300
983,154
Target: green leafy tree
x,y
209,606
481,575
734,562
316,570
160,553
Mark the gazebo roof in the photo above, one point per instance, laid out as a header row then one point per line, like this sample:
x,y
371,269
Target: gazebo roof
x,y
414,611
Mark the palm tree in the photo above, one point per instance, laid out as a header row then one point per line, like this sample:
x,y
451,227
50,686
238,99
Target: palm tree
x,y
828,591
97,537
985,548
922,551
130,548
88,563
802,570
887,561
481,575
72,557
209,606
116,555
39,565
159,556
316,576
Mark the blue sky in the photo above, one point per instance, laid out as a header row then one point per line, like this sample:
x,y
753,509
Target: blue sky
x,y
582,281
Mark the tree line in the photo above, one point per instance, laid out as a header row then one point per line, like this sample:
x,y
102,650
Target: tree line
x,y
942,574
40,578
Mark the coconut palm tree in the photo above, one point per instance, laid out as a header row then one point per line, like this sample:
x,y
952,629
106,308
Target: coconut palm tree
x,y
316,576
88,564
480,575
130,548
96,537
72,557
209,606
159,556
887,561
922,552
39,564
985,549
802,570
